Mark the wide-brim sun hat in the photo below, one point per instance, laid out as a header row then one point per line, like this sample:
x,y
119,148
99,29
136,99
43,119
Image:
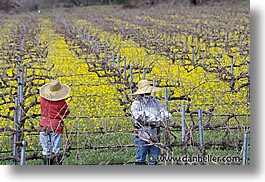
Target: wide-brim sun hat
x,y
54,91
144,87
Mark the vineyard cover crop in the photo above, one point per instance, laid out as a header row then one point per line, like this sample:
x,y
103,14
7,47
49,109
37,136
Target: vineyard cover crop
x,y
200,54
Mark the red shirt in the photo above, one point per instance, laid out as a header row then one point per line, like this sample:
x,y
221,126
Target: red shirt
x,y
53,113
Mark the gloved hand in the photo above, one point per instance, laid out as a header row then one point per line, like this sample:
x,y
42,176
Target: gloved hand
x,y
149,116
139,116
166,116
137,125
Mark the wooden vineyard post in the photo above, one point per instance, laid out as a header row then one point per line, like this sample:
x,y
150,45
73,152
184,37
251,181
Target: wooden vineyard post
x,y
18,114
144,74
112,60
119,66
203,56
202,149
23,153
166,131
119,60
245,149
15,136
87,37
219,64
183,121
131,79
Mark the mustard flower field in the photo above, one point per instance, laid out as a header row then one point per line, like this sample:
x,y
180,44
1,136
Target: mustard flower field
x,y
199,55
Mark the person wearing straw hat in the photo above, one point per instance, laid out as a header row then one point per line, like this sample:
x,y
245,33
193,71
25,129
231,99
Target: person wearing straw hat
x,y
148,115
53,110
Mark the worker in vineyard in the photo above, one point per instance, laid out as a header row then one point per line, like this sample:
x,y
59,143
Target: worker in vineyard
x,y
149,115
53,111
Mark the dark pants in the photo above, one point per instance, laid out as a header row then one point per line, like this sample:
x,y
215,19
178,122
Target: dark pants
x,y
142,149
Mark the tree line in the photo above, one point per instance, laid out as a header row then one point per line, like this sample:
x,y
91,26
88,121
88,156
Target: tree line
x,y
35,5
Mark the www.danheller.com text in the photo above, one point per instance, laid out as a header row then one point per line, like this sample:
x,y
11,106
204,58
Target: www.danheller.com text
x,y
198,159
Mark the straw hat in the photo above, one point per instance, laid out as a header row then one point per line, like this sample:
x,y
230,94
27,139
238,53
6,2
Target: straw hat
x,y
54,91
145,87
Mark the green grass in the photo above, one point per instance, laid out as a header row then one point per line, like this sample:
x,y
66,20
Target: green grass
x,y
88,148
84,152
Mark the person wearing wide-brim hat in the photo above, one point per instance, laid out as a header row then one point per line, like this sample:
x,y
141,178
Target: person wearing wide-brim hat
x,y
144,87
53,111
148,115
